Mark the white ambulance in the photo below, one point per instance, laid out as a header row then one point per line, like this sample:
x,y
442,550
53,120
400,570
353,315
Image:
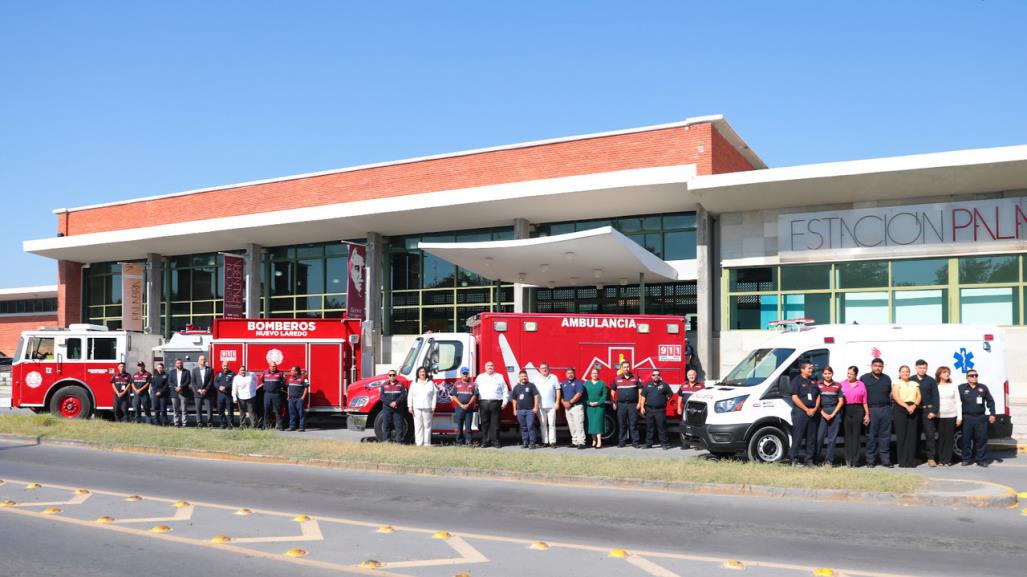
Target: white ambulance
x,y
746,411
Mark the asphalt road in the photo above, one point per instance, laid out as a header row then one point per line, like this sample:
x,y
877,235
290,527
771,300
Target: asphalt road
x,y
492,523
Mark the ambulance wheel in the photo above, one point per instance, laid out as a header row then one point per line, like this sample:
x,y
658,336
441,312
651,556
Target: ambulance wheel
x,y
957,446
768,445
71,403
609,426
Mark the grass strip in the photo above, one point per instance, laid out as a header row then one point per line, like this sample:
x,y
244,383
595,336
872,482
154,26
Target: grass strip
x,y
267,443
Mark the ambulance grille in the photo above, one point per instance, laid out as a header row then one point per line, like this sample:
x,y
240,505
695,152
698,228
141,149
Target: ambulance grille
x,y
695,413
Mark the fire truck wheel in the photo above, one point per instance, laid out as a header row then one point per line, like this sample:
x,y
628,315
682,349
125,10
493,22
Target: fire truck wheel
x,y
379,427
609,426
768,445
71,403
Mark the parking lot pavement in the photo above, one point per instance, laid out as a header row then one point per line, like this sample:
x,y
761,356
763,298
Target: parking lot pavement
x,y
349,546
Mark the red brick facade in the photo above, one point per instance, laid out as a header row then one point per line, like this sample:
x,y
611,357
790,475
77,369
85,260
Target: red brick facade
x,y
69,293
11,327
700,144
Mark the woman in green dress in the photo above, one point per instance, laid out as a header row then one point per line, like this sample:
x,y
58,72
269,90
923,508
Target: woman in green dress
x,y
595,408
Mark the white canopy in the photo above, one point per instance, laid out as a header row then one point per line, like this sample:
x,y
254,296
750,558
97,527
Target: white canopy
x,y
589,257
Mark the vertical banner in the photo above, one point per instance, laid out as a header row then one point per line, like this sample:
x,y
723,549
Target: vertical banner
x,y
357,283
235,286
132,296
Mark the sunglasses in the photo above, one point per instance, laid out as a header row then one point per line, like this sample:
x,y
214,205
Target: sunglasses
x,y
972,375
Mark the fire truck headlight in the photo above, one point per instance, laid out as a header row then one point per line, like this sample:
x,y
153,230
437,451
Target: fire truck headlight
x,y
730,405
358,402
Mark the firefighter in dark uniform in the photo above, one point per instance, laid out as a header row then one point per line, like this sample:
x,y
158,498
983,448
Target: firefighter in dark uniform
x,y
141,393
878,436
978,413
298,391
160,392
394,408
626,403
805,408
465,399
272,380
121,382
223,388
654,406
929,405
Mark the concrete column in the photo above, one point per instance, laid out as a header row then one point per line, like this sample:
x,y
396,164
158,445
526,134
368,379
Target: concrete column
x,y
522,298
154,293
372,329
254,262
705,287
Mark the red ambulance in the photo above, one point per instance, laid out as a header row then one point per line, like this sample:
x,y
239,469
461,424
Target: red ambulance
x,y
327,350
522,341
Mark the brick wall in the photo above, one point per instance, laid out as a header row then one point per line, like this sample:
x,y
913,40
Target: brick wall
x,y
69,293
699,144
11,327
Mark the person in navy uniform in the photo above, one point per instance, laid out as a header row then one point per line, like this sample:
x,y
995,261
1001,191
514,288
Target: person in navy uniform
x,y
394,408
978,413
271,381
654,407
298,391
223,390
526,399
465,399
141,393
832,403
878,386
805,407
160,392
626,404
121,382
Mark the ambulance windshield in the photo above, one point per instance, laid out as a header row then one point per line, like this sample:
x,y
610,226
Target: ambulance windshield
x,y
408,363
757,367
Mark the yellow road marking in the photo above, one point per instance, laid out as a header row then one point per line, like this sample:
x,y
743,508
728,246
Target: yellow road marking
x,y
650,567
309,531
459,538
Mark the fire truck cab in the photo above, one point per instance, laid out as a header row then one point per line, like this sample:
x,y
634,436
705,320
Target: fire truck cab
x,y
67,371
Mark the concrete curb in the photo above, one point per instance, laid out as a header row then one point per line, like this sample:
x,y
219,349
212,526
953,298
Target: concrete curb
x,y
1004,497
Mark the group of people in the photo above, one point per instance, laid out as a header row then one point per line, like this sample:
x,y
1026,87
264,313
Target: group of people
x,y
913,404
262,399
535,404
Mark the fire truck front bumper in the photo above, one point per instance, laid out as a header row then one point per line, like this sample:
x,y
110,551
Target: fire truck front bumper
x,y
356,421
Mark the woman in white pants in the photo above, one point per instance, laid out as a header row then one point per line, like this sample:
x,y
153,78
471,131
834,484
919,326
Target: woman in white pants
x,y
421,403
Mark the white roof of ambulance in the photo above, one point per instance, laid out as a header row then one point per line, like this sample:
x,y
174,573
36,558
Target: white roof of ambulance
x,y
813,335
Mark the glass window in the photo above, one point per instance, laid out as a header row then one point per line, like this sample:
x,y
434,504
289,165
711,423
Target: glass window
x,y
753,311
988,269
74,347
310,277
815,306
438,273
103,349
336,279
406,270
806,277
406,321
281,278
989,306
870,274
756,367
450,355
865,308
920,307
753,279
40,349
679,245
672,221
934,271
437,319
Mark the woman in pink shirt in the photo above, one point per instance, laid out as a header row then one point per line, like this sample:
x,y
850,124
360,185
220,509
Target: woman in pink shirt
x,y
857,415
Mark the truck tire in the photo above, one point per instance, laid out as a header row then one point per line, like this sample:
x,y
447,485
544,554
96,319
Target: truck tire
x,y
957,445
768,445
379,428
609,426
71,402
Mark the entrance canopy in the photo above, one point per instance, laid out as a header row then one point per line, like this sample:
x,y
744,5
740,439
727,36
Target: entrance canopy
x,y
589,257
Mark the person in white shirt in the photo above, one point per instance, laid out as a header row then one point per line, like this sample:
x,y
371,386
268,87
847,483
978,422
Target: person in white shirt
x,y
421,404
493,396
950,414
549,394
244,393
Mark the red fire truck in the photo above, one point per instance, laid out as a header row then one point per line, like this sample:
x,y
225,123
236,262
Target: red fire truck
x,y
328,350
521,341
68,371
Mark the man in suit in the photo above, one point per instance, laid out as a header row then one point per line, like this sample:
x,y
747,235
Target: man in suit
x,y
203,391
181,392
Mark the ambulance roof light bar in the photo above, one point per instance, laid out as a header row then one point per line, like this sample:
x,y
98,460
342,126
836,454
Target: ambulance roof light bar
x,y
788,325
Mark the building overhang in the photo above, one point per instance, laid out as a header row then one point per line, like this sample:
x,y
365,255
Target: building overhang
x,y
899,178
589,257
32,292
636,191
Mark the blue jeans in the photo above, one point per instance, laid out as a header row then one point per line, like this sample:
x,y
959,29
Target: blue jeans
x,y
296,413
828,430
526,420
463,419
879,435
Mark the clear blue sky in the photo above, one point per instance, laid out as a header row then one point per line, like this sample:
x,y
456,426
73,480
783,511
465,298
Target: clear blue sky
x,y
102,101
